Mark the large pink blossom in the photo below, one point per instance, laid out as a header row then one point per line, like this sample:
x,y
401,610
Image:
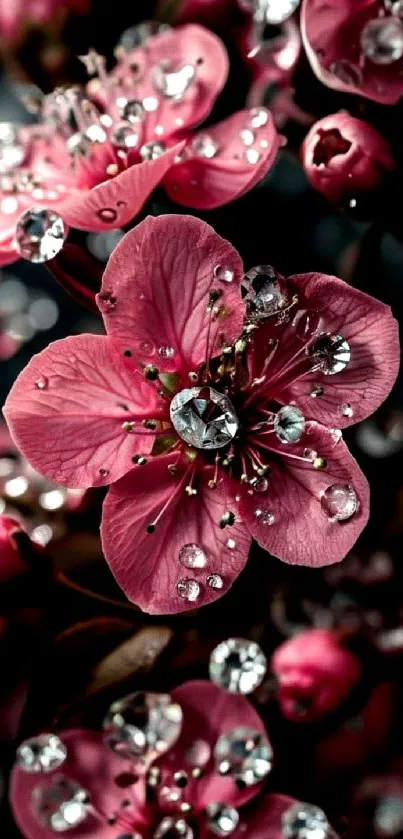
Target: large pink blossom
x,y
97,155
215,418
356,46
176,793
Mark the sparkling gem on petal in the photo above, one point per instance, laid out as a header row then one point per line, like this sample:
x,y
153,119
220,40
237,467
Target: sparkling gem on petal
x,y
259,484
222,819
151,151
345,409
173,84
78,145
382,40
265,517
316,390
278,11
332,352
132,110
252,156
188,589
243,754
339,502
12,152
203,417
42,383
224,273
215,581
173,828
237,665
304,821
166,352
142,726
125,136
204,146
60,805
43,753
247,136
263,293
39,235
192,556
289,424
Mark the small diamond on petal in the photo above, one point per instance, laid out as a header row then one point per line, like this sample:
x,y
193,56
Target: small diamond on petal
x,y
238,665
43,753
203,417
304,821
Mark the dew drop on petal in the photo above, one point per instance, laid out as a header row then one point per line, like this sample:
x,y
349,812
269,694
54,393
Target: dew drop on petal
x,y
42,383
258,117
346,410
222,819
166,352
263,292
259,484
192,556
289,424
188,589
304,821
265,517
332,353
382,40
252,156
348,73
61,804
39,235
237,665
173,828
142,726
243,754
247,136
43,753
215,581
173,84
339,502
223,273
307,323
104,473
152,150
336,435
205,146
231,544
316,390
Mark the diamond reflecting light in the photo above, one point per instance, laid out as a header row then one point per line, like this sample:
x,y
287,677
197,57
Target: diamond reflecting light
x,y
237,665
142,726
61,805
382,40
43,753
203,417
173,84
289,424
173,828
39,235
332,353
245,755
222,819
304,821
262,292
277,11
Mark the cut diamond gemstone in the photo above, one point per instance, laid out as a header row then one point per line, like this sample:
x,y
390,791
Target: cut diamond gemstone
x,y
332,352
262,292
39,235
173,84
382,39
339,502
142,726
203,417
60,805
43,753
244,754
304,821
237,665
222,819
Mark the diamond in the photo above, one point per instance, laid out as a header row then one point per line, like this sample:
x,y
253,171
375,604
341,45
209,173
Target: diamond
x,y
304,821
289,424
39,235
203,417
192,556
61,805
332,352
237,665
222,819
244,754
262,292
43,753
142,726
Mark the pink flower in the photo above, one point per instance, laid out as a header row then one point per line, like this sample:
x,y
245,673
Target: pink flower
x,y
214,418
98,155
342,155
315,673
356,46
11,561
192,785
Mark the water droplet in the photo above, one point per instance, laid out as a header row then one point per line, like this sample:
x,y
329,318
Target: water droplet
x,y
173,84
205,146
231,544
395,7
42,383
173,828
215,581
316,390
43,753
166,352
336,435
188,589
39,235
192,556
388,816
60,805
307,323
265,517
244,754
348,73
104,473
237,665
222,819
339,502
125,136
304,821
278,11
12,152
107,214
345,409
203,417
382,40
259,117
332,353
247,136
152,150
289,424
252,156
132,110
142,726
150,104
263,292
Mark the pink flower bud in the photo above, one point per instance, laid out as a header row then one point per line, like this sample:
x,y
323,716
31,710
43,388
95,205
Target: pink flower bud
x,y
11,561
342,155
315,674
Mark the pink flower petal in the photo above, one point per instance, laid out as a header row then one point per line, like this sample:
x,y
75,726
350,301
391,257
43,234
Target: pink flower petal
x,y
209,712
115,202
238,165
289,520
161,276
66,410
94,767
372,333
331,31
147,565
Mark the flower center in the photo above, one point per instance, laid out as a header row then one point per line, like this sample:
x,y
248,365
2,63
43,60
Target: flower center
x,y
203,417
330,144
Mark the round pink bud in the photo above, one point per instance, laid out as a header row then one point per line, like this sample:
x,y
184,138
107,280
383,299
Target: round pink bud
x,y
342,156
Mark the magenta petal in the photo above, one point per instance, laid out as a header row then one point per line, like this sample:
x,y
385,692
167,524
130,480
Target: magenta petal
x,y
116,202
66,410
146,565
161,276
331,32
205,183
208,713
94,767
372,333
289,520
